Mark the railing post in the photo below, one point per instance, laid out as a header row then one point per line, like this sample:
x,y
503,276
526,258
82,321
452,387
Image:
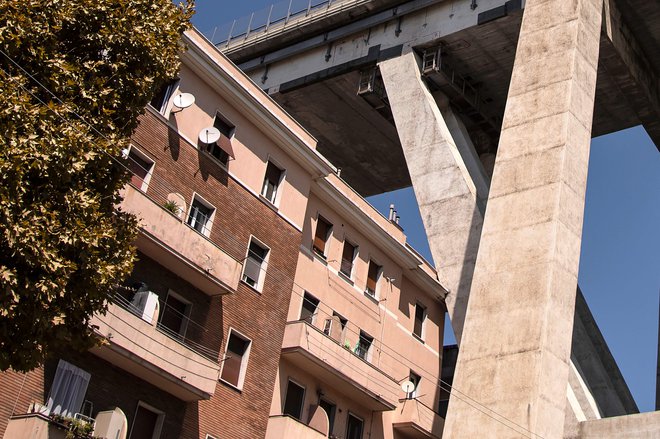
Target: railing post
x,y
249,25
230,32
270,13
288,13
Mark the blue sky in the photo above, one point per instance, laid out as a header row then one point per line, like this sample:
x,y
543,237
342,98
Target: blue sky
x,y
620,260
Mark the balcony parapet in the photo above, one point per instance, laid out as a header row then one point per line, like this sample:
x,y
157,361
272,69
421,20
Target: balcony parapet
x,y
285,426
416,420
155,356
167,239
339,368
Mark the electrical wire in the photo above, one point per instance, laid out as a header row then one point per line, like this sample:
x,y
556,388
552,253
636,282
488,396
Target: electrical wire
x,y
441,383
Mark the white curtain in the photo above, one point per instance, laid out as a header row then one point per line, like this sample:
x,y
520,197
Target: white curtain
x,y
68,390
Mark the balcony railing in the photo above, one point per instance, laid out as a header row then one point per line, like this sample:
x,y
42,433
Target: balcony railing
x,y
190,338
339,366
176,363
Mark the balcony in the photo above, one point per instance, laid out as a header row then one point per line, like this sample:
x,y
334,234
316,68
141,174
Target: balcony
x,y
414,420
176,246
310,349
168,360
284,426
33,426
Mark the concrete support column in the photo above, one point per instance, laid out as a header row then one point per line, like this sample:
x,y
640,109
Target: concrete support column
x,y
447,178
512,372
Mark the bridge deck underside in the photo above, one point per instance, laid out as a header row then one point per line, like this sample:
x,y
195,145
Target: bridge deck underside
x,y
363,141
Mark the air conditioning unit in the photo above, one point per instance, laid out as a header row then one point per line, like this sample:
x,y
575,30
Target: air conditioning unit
x,y
111,424
146,306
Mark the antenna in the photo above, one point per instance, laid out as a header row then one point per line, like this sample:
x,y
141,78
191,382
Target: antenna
x,y
209,135
183,100
408,387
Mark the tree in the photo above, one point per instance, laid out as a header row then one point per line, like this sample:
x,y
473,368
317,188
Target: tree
x,y
64,242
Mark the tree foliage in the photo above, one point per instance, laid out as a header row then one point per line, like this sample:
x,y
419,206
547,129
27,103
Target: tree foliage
x,y
64,243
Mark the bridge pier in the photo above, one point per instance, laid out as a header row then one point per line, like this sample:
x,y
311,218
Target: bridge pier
x,y
449,182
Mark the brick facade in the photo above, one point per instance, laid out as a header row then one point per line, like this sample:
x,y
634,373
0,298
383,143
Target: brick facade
x,y
182,168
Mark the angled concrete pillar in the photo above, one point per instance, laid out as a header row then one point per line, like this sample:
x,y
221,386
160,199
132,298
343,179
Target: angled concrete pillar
x,y
447,178
512,371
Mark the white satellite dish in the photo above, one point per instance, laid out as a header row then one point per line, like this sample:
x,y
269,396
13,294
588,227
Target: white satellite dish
x,y
183,100
408,386
209,135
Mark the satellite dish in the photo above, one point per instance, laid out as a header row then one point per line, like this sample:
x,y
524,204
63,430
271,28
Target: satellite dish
x,y
408,386
209,135
183,100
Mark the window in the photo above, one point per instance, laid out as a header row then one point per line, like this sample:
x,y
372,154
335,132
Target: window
x,y
309,306
255,265
148,422
175,315
331,411
222,149
354,427
162,98
68,390
200,217
140,167
236,358
271,182
363,347
293,402
415,379
420,318
321,236
334,327
372,278
347,257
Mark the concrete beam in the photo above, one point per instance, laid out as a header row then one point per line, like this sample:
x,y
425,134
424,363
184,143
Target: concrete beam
x,y
624,59
446,175
514,359
638,426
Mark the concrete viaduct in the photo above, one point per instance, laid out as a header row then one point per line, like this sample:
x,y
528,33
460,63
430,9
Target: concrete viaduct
x,y
485,103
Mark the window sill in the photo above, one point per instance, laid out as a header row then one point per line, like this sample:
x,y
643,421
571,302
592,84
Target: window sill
x,y
418,338
346,277
231,386
373,298
321,258
269,203
255,289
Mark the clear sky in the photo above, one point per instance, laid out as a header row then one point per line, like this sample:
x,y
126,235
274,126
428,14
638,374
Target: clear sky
x,y
620,260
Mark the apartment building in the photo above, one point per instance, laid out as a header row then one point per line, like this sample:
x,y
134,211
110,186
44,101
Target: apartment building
x,y
259,270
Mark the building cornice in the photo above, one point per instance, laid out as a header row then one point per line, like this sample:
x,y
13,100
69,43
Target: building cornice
x,y
239,90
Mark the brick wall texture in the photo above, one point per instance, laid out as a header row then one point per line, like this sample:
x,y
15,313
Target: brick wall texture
x,y
261,316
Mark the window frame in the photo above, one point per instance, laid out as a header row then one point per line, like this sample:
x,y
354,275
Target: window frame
x,y
422,331
348,416
417,382
302,402
275,199
169,89
245,358
368,353
263,267
356,251
209,148
322,254
144,157
186,316
158,428
209,220
314,314
379,275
